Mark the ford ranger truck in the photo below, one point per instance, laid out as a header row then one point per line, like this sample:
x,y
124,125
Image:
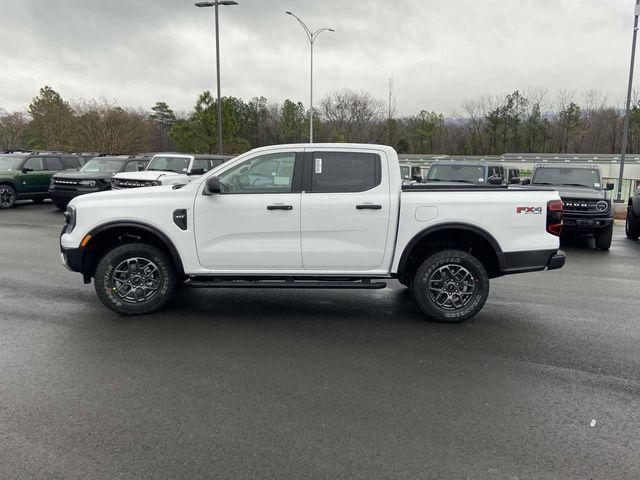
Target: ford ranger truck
x,y
587,210
311,216
167,169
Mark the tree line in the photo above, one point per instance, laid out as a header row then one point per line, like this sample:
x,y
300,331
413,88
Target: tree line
x,y
531,122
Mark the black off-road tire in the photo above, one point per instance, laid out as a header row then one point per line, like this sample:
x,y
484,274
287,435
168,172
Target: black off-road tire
x,y
105,283
7,196
435,265
632,225
604,237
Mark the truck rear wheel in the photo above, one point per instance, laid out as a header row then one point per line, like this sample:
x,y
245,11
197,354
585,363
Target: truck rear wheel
x,y
604,237
134,279
632,225
451,286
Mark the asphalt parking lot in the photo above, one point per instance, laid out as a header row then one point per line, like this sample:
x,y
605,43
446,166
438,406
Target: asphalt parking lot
x,y
245,384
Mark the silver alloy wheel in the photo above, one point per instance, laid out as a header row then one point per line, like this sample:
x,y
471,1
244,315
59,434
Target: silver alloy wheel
x,y
6,197
451,286
136,280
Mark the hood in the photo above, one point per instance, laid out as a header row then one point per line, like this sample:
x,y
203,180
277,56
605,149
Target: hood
x,y
147,175
75,175
585,193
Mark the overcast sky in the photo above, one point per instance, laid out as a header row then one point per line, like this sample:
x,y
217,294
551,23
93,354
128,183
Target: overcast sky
x,y
439,52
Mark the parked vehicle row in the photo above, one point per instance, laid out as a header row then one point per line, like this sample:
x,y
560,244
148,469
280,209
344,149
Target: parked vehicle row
x,y
62,177
311,216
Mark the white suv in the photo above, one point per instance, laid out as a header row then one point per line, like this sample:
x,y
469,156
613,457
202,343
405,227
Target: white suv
x,y
167,169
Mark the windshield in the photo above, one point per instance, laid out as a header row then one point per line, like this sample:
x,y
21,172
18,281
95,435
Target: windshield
x,y
580,177
169,164
456,173
101,165
9,163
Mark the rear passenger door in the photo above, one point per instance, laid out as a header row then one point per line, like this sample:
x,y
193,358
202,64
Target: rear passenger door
x,y
345,210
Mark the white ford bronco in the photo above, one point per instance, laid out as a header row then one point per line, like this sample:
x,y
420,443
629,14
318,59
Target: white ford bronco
x,y
311,216
167,169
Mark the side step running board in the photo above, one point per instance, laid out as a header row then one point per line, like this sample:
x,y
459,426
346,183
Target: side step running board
x,y
283,283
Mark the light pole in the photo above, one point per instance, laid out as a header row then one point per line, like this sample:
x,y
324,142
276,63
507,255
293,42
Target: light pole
x,y
216,4
312,38
627,113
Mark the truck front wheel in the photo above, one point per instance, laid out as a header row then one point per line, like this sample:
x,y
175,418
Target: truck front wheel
x,y
7,196
134,279
451,286
604,237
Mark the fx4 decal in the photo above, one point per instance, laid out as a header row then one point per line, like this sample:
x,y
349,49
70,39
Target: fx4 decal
x,y
529,210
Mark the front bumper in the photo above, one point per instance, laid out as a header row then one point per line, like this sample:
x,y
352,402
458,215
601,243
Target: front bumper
x,y
583,223
72,258
66,194
530,261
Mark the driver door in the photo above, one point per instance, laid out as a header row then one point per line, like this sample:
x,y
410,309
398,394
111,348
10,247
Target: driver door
x,y
32,178
253,225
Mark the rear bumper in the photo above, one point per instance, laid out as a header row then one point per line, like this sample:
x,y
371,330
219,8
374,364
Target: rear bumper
x,y
530,261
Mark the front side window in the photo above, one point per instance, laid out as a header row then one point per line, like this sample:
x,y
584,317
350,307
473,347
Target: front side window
x,y
271,173
34,163
132,167
169,164
334,172
52,163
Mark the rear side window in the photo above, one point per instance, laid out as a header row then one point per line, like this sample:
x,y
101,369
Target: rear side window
x,y
52,163
71,162
344,172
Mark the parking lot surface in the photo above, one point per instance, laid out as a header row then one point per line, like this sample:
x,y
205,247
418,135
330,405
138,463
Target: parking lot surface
x,y
543,384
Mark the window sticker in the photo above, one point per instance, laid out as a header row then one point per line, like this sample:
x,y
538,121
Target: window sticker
x,y
481,179
318,165
597,185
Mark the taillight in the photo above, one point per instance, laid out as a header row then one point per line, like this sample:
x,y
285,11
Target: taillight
x,y
554,217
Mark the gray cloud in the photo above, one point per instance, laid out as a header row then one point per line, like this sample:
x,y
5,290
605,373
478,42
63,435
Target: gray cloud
x,y
438,51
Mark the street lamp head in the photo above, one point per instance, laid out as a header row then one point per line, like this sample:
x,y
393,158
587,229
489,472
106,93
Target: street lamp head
x,y
217,2
288,13
331,30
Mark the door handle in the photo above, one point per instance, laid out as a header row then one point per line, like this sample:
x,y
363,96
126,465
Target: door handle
x,y
368,206
279,207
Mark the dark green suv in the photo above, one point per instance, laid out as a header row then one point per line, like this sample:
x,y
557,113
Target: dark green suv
x,y
26,176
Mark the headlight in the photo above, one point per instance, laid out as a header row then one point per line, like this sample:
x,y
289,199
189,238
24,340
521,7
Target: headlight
x,y
87,183
70,219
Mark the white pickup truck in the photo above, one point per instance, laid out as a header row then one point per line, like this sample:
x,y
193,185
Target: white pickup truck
x,y
167,169
311,216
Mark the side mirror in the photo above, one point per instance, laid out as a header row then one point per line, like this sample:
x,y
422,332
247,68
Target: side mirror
x,y
610,186
212,186
526,181
196,171
495,180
